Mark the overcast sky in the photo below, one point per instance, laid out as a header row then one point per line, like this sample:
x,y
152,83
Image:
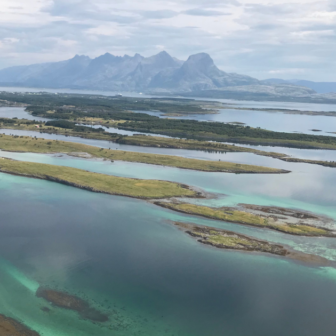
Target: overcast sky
x,y
261,38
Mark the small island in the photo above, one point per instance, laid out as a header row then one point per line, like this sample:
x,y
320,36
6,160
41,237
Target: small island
x,y
288,221
71,302
95,182
11,327
229,240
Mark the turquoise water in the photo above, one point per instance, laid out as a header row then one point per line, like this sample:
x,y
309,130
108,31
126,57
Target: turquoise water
x,y
125,258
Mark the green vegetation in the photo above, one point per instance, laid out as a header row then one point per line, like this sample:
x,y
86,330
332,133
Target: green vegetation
x,y
155,141
230,240
64,104
247,218
331,164
215,131
117,111
37,145
146,189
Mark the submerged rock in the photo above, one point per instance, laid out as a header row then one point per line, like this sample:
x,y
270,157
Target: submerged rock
x,y
11,327
71,302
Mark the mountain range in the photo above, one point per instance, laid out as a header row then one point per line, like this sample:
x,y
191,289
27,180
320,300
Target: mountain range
x,y
161,72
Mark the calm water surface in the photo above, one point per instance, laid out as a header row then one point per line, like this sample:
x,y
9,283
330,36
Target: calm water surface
x,y
126,258
122,256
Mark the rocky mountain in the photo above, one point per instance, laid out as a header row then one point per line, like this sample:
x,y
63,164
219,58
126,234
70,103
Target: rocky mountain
x,y
158,73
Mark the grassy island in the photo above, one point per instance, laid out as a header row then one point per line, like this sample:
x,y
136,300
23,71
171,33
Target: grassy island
x,y
113,185
144,140
75,108
38,145
243,216
229,240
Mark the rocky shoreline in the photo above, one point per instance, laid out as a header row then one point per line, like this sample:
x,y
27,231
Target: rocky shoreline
x,y
229,240
288,221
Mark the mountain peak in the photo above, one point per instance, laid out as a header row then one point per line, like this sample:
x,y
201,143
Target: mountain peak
x,y
201,57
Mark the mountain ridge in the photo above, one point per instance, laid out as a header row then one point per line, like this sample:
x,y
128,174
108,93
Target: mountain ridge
x,y
160,72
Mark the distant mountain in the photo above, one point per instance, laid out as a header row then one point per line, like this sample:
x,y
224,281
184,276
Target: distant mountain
x,y
198,73
319,87
158,73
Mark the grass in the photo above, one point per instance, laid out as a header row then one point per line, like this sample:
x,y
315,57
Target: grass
x,y
97,182
242,217
62,131
155,141
232,240
37,145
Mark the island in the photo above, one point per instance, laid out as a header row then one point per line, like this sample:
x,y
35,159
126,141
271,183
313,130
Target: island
x,y
294,222
11,327
75,108
71,129
229,240
39,145
95,182
71,302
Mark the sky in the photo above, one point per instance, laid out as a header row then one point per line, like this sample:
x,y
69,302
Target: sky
x,y
261,38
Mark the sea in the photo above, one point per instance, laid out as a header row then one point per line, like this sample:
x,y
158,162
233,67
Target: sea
x,y
127,259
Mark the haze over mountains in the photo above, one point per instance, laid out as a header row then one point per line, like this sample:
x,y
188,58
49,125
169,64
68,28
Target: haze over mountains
x,y
107,72
319,87
161,73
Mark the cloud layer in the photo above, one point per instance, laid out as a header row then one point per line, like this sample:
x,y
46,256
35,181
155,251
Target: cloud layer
x,y
260,38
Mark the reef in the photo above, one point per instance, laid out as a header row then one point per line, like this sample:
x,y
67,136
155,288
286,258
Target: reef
x,y
71,302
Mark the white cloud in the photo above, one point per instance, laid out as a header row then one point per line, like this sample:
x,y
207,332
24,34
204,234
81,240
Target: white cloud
x,y
247,36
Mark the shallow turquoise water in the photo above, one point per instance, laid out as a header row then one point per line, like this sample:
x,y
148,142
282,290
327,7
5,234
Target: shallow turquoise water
x,y
123,257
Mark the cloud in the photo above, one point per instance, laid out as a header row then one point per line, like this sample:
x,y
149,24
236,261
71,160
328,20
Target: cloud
x,y
204,12
252,37
159,14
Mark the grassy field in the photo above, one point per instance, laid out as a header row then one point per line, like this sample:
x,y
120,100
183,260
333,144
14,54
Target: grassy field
x,y
242,217
37,145
145,189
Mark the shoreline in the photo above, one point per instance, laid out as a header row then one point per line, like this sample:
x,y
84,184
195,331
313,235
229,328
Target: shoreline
x,y
249,215
232,241
155,189
40,145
